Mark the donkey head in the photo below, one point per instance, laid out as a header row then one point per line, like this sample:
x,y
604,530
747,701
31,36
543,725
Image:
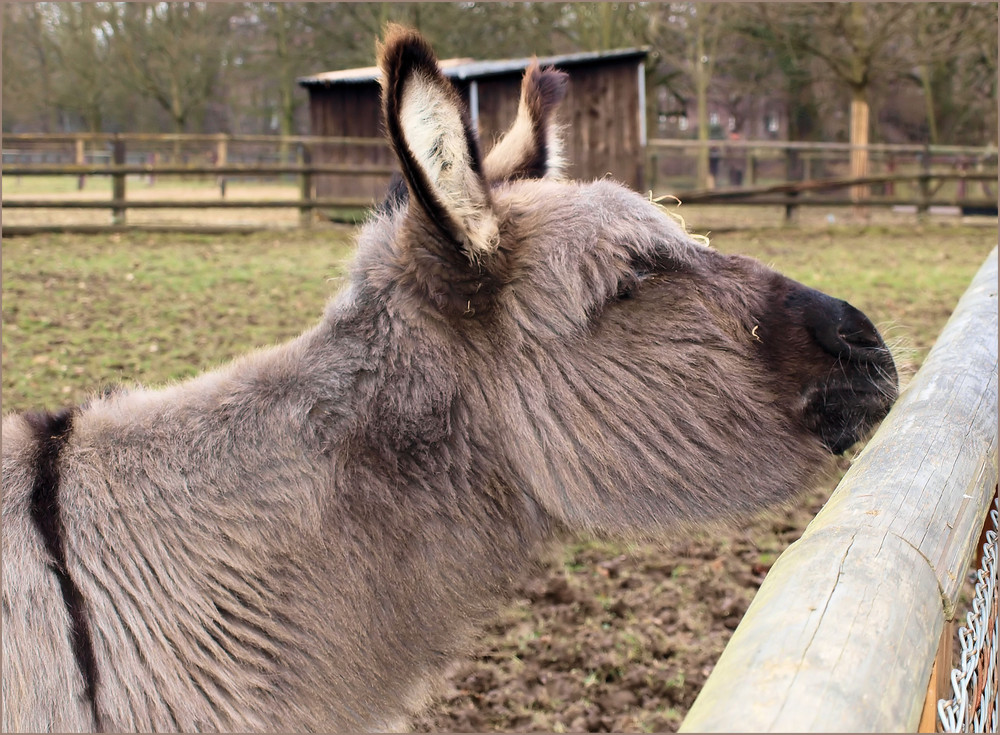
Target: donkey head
x,y
599,359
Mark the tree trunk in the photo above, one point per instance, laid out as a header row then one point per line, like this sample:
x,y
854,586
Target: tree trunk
x,y
925,82
177,115
801,112
286,120
701,96
859,142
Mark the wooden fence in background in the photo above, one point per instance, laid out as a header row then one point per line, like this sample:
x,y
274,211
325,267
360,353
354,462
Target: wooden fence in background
x,y
797,174
737,162
771,173
192,156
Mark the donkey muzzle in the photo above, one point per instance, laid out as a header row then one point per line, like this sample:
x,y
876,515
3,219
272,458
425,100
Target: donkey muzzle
x,y
858,388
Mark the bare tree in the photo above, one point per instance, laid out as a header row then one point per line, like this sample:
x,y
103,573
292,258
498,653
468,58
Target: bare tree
x,y
858,43
29,66
690,36
955,55
81,44
69,65
173,53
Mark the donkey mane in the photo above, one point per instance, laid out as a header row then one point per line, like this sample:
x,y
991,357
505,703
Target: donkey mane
x,y
305,538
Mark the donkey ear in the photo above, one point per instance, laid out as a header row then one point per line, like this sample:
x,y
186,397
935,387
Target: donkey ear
x,y
533,147
429,129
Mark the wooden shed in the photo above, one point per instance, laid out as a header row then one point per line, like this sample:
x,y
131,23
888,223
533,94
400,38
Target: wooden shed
x,y
603,114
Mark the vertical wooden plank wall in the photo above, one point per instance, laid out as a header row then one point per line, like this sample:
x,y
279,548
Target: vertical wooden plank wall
x,y
603,127
599,118
349,110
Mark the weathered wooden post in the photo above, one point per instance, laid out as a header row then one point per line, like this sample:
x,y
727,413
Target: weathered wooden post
x,y
923,206
118,181
843,633
221,157
81,159
962,166
791,208
306,192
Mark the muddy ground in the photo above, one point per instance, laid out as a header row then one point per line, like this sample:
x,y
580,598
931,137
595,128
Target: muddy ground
x,y
613,637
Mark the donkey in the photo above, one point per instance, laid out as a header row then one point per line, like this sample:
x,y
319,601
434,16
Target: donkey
x,y
303,539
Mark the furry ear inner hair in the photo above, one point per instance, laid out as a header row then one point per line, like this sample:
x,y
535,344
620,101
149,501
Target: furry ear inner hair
x,y
429,128
533,146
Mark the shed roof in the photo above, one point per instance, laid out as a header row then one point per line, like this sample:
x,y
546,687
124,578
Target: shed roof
x,y
470,69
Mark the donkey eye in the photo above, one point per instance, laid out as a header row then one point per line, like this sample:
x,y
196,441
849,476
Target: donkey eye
x,y
629,284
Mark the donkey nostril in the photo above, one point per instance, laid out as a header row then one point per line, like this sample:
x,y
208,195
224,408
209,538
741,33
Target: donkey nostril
x,y
857,330
859,338
837,327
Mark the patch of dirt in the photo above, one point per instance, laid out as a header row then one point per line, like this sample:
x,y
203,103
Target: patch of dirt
x,y
615,637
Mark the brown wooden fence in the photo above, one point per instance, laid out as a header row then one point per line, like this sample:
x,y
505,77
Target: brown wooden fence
x,y
795,174
188,156
915,176
926,190
734,163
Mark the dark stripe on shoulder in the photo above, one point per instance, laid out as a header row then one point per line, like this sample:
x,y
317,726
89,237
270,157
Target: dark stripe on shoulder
x,y
51,431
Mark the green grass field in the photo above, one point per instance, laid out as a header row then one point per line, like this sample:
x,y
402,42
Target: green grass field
x,y
80,312
83,311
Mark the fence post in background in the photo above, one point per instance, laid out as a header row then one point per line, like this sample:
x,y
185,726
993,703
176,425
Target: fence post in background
x,y
81,159
221,156
791,208
924,181
791,164
118,181
306,193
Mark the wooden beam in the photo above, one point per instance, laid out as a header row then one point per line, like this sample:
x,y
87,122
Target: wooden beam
x,y
118,182
943,150
9,138
253,169
21,230
362,202
842,635
354,202
816,185
652,143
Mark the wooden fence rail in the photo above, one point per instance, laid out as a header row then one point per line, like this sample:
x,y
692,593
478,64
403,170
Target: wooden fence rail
x,y
119,169
843,633
216,161
789,195
356,203
670,163
812,146
47,138
262,169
